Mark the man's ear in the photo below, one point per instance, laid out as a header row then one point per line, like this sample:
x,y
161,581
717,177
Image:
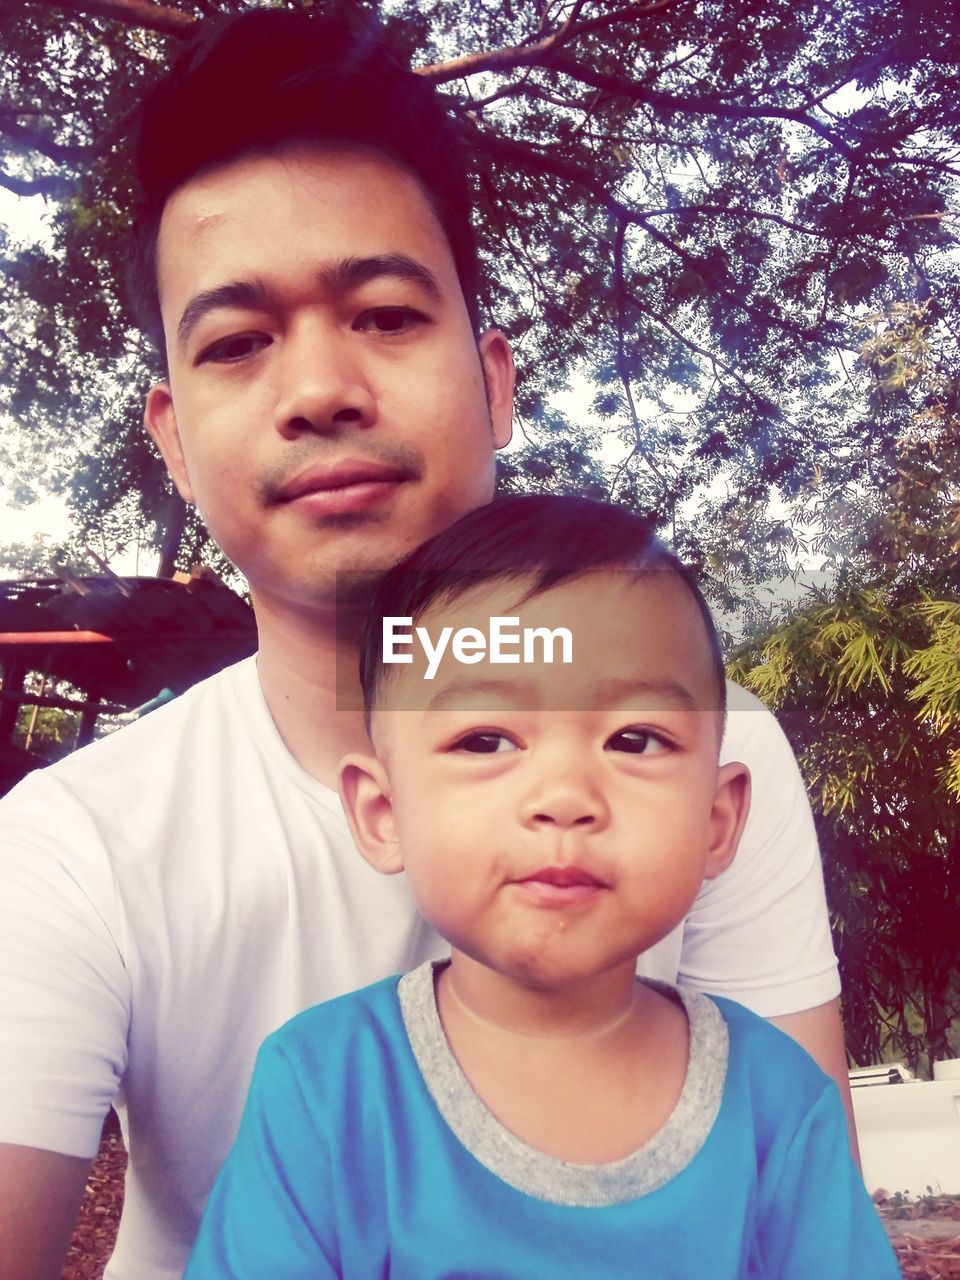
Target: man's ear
x,y
499,375
731,804
365,796
161,421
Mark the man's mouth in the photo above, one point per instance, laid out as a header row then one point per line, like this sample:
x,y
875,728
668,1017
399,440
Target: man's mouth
x,y
342,475
346,487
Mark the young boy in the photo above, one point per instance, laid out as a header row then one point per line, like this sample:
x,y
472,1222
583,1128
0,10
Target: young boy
x,y
546,700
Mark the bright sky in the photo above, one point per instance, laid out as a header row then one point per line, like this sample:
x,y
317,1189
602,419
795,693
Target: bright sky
x,y
23,221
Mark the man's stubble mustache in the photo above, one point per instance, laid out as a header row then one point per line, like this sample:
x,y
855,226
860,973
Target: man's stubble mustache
x,y
322,452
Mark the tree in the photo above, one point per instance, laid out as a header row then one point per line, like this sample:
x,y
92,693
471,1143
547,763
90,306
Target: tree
x,y
866,683
692,201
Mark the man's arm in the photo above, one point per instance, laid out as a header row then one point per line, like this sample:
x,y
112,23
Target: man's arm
x,y
40,1193
820,1032
759,933
64,1013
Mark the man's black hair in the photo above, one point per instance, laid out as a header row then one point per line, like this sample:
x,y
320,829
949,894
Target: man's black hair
x,y
550,538
268,79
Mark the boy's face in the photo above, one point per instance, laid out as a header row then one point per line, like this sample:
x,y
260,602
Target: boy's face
x,y
327,405
556,820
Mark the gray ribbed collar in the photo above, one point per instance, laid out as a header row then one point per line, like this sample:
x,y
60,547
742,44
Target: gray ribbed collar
x,y
658,1161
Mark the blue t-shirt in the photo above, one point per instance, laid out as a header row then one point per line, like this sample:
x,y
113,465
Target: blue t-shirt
x,y
363,1152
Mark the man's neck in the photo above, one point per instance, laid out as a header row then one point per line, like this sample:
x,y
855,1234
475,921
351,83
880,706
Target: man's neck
x,y
307,666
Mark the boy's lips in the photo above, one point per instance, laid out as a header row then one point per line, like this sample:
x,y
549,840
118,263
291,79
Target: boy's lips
x,y
564,877
557,886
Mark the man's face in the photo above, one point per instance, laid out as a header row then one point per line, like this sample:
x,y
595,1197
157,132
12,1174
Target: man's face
x,y
557,820
326,405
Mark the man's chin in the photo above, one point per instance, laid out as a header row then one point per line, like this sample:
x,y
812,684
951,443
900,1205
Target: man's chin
x,y
326,592
344,577
354,588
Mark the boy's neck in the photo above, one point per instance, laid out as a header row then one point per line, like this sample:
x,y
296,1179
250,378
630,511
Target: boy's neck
x,y
307,667
586,1074
587,1026
583,1009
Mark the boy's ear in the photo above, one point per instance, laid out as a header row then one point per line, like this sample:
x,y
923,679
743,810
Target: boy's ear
x,y
365,796
731,804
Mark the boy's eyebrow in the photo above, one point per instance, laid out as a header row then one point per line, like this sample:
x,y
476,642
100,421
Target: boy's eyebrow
x,y
617,689
607,695
520,692
337,278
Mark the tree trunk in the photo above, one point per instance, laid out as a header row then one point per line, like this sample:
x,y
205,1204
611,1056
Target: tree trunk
x,y
174,522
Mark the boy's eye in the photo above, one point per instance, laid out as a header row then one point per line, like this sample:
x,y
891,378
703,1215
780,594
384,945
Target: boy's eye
x,y
229,350
486,742
389,320
637,742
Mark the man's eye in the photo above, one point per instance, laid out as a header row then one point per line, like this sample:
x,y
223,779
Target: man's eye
x,y
486,743
637,742
229,350
389,320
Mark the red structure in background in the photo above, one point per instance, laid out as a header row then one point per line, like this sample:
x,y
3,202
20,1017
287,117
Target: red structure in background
x,y
123,643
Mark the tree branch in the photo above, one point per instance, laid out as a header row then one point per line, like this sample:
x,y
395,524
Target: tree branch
x,y
709,105
11,109
714,361
623,368
547,54
55,187
941,166
544,162
513,56
134,13
733,211
34,140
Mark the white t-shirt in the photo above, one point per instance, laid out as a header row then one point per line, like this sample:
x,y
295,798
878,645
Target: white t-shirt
x,y
175,892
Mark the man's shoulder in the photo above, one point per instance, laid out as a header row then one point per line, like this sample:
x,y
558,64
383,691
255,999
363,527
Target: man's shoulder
x,y
751,726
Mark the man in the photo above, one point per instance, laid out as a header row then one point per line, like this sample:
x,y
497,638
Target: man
x,y
175,892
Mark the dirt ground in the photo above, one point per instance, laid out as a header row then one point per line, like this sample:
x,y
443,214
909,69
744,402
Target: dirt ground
x,y
96,1229
925,1233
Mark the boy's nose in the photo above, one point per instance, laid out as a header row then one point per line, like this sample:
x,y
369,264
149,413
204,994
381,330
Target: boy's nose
x,y
565,802
322,382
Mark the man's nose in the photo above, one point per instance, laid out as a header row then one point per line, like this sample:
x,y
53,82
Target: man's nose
x,y
323,383
565,796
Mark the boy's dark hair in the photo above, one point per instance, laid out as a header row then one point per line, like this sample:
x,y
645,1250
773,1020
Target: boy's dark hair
x,y
268,79
550,537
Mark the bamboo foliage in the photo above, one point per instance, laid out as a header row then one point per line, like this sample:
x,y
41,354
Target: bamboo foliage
x,y
866,682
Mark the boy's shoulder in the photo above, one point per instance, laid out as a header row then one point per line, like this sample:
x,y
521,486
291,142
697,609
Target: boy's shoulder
x,y
756,1035
767,1061
339,1028
332,1063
